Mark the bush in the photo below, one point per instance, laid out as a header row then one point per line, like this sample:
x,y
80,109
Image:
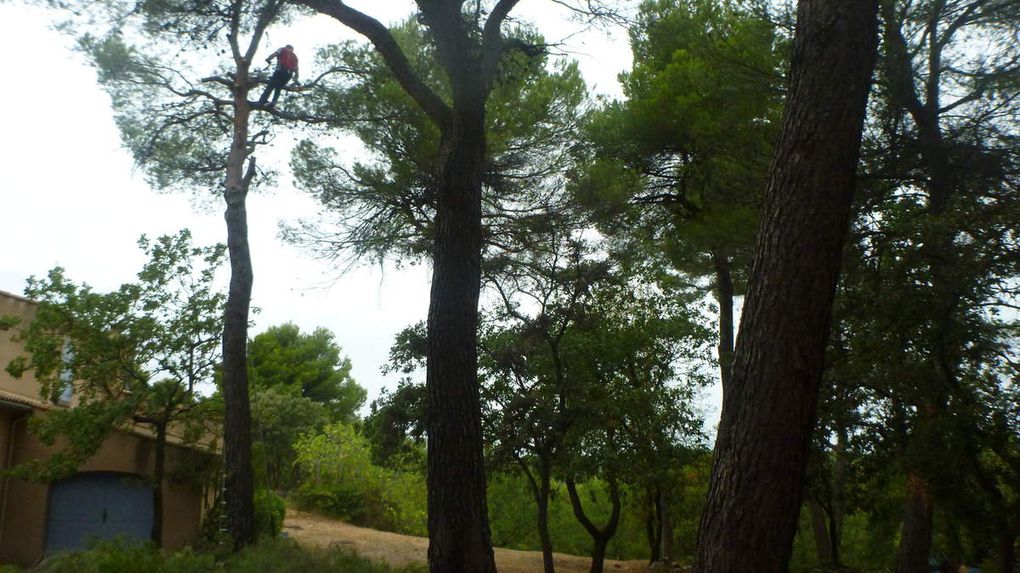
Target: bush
x,y
270,509
341,481
270,555
122,556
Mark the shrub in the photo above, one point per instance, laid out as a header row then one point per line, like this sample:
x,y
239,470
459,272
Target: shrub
x,y
270,509
269,555
122,556
341,481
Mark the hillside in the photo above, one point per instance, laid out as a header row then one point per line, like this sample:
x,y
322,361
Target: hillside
x,y
399,550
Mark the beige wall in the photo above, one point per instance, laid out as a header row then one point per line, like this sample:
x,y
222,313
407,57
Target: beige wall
x,y
26,386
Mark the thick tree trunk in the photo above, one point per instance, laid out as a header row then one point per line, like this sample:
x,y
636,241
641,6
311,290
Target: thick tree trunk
x,y
754,499
237,426
459,540
159,475
915,536
600,536
724,293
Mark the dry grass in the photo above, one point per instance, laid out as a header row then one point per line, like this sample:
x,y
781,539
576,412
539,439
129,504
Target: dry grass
x,y
400,550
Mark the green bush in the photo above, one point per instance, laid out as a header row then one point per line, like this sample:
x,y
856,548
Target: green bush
x,y
270,509
341,481
122,556
269,556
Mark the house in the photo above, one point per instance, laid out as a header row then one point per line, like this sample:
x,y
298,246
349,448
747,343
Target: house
x,y
110,495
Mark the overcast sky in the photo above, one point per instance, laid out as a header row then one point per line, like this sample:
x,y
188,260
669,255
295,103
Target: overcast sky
x,y
71,196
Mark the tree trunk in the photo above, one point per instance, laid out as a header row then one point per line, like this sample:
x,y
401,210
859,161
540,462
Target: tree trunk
x,y
724,296
653,525
237,426
915,537
754,498
1007,549
839,469
823,546
159,474
666,532
600,537
459,540
548,564
540,491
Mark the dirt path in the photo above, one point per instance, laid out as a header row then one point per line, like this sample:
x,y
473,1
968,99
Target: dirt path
x,y
400,550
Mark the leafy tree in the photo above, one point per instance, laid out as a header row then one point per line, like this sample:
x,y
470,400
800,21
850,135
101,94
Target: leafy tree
x,y
382,208
299,383
189,124
680,164
573,351
279,418
768,412
949,128
308,365
136,355
470,47
396,426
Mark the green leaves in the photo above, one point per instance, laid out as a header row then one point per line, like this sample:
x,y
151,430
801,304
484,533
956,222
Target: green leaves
x,y
680,163
383,207
308,365
137,353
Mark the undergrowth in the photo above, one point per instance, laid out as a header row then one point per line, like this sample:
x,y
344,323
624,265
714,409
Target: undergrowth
x,y
269,555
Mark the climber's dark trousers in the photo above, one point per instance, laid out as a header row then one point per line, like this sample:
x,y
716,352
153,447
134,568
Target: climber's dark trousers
x,y
279,79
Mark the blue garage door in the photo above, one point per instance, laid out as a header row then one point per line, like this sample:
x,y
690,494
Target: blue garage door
x,y
97,506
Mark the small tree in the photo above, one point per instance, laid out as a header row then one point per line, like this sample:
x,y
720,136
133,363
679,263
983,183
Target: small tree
x,y
299,383
308,365
136,355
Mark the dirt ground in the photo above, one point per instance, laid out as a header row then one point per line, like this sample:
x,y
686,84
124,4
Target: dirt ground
x,y
400,550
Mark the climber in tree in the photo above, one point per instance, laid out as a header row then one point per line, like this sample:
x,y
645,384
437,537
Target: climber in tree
x,y
286,69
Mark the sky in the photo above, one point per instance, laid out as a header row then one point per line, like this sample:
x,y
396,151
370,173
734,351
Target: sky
x,y
71,196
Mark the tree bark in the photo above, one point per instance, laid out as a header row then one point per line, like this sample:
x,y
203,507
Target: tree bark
x,y
823,546
159,474
915,536
754,498
548,564
724,293
1007,549
237,425
459,539
540,491
836,488
666,532
600,536
653,525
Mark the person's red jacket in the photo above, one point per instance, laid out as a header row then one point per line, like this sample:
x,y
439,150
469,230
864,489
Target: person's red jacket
x,y
287,58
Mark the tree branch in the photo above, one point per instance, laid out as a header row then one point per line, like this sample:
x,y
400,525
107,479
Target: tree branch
x,y
433,106
492,40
